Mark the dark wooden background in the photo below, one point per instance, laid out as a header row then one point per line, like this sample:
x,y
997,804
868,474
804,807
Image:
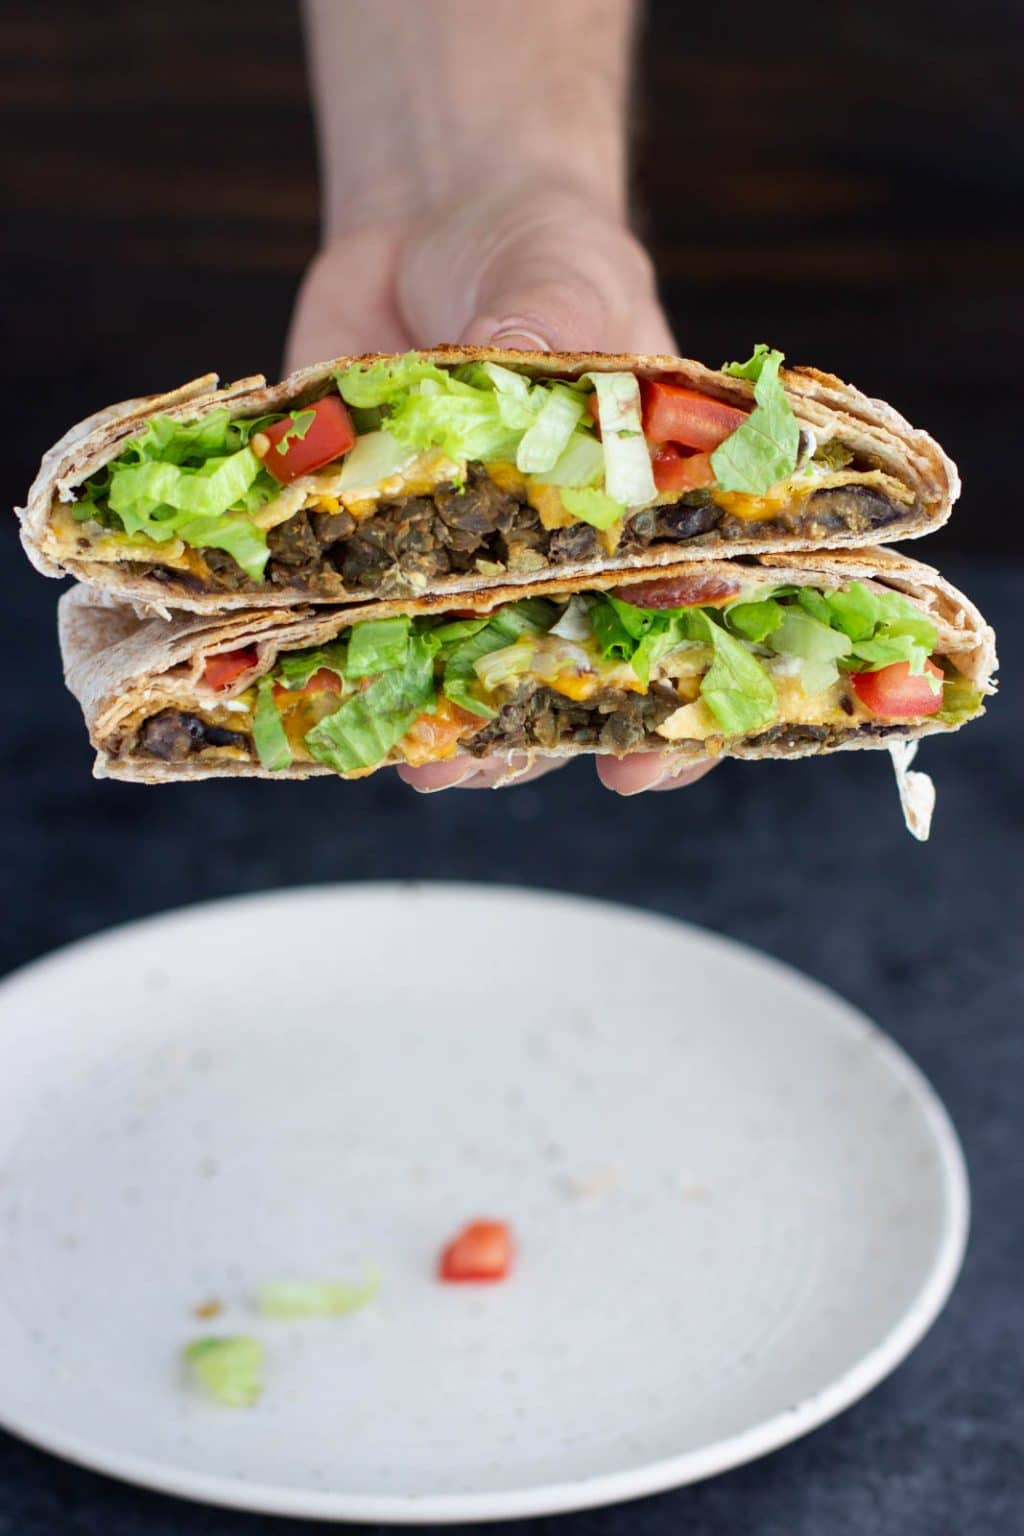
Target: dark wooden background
x,y
844,181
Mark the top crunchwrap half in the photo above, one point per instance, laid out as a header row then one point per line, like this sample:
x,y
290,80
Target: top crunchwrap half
x,y
463,469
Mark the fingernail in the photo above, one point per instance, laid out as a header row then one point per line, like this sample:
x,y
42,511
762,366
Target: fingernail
x,y
519,338
447,780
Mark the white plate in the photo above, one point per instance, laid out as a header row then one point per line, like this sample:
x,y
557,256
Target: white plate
x,y
738,1205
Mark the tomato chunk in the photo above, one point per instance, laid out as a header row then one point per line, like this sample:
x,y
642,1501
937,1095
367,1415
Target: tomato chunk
x,y
327,437
676,469
679,592
894,692
324,681
221,669
433,738
481,1251
673,414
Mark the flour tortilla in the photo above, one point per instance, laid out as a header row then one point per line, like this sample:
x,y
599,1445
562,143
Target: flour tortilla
x,y
821,402
122,668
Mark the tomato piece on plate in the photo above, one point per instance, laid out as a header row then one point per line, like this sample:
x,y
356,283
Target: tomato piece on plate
x,y
677,469
221,669
896,694
481,1251
673,414
329,435
324,681
679,592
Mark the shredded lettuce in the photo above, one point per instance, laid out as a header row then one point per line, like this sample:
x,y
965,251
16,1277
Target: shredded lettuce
x,y
547,437
581,464
377,645
229,1369
182,480
372,384
628,476
480,413
362,732
763,449
736,687
318,1298
268,733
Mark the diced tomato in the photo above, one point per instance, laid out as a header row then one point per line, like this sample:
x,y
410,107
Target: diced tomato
x,y
434,738
222,669
673,414
482,1251
895,694
328,436
676,469
679,592
324,681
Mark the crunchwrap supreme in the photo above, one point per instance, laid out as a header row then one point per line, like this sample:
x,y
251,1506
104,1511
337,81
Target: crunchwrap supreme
x,y
461,469
775,657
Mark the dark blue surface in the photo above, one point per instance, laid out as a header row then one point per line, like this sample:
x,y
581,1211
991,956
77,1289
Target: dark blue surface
x,y
806,860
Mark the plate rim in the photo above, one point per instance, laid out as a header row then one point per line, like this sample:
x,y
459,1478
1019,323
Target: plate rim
x,y
581,1493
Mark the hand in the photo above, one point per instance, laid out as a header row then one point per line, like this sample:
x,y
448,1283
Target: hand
x,y
537,266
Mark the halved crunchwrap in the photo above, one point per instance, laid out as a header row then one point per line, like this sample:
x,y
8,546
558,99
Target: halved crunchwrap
x,y
461,469
775,657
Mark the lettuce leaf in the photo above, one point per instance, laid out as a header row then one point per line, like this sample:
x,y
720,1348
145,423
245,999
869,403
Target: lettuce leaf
x,y
228,1369
592,506
628,476
736,687
581,464
369,724
763,450
755,621
548,435
620,626
375,456
268,733
294,670
377,645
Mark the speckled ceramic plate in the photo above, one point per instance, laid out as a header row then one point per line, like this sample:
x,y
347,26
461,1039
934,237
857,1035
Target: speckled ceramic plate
x,y
738,1205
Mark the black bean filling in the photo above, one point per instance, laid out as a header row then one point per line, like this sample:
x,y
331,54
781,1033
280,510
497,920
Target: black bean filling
x,y
174,736
612,721
479,528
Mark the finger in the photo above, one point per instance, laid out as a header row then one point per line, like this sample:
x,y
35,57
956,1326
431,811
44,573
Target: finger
x,y
478,773
641,771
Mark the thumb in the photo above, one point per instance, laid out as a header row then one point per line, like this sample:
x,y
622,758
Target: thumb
x,y
542,271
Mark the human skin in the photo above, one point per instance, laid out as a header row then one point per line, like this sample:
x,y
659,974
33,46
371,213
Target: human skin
x,y
473,167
